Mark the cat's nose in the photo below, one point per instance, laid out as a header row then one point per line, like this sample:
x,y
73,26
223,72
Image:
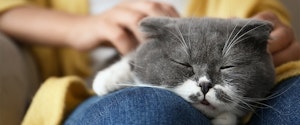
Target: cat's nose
x,y
205,86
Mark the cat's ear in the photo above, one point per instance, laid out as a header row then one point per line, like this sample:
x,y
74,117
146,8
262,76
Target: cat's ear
x,y
258,30
155,25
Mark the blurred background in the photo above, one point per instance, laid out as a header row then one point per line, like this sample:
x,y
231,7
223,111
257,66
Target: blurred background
x,y
293,6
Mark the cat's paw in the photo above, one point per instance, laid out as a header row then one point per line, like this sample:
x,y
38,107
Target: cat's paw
x,y
225,119
110,79
104,83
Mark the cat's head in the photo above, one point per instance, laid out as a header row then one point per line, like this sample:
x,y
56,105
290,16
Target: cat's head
x,y
216,64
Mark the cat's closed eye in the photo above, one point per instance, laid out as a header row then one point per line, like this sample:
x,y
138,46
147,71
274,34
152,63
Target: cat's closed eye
x,y
226,67
181,63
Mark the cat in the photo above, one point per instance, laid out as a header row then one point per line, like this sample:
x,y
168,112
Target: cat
x,y
220,66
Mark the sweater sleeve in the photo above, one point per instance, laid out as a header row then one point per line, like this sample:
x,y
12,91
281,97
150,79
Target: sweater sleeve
x,y
8,4
235,8
274,6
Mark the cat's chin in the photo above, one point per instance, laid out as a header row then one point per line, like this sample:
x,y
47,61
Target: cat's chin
x,y
207,109
205,103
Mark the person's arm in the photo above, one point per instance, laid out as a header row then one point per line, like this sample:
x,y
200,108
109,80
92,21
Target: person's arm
x,y
117,26
38,25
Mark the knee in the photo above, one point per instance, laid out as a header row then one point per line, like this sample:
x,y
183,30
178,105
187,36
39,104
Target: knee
x,y
144,105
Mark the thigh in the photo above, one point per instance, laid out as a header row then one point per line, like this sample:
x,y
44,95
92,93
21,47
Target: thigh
x,y
284,107
137,106
18,81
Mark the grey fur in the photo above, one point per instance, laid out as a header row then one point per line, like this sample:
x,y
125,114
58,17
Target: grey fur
x,y
221,66
228,51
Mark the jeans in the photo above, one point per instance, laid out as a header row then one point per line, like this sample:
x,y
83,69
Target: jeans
x,y
285,107
150,106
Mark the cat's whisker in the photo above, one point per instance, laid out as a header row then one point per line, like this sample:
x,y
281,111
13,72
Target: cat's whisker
x,y
237,40
183,40
135,65
184,46
279,92
267,106
272,96
233,39
255,103
246,105
227,41
240,99
189,39
180,38
140,85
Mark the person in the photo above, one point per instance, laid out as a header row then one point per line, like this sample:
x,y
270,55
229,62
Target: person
x,y
54,38
82,33
136,106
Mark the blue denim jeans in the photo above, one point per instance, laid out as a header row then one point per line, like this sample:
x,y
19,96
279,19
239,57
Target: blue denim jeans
x,y
285,107
149,106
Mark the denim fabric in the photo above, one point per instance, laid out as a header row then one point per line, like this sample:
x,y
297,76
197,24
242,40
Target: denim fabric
x,y
137,106
149,106
285,106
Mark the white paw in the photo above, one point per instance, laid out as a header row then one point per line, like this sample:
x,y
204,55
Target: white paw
x,y
105,83
109,79
225,119
187,89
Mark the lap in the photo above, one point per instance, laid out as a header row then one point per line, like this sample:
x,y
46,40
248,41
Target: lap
x,y
155,106
135,106
283,107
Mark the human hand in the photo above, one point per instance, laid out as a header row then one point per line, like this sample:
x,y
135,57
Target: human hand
x,y
117,26
283,45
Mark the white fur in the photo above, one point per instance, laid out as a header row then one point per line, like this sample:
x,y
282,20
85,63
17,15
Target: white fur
x,y
224,113
188,88
203,79
113,78
218,109
225,119
108,80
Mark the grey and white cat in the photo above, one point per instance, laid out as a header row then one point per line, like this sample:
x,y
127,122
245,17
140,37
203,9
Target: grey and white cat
x,y
220,66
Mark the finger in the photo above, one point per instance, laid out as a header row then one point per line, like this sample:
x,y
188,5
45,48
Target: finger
x,y
292,53
152,8
281,38
129,19
172,12
268,16
121,39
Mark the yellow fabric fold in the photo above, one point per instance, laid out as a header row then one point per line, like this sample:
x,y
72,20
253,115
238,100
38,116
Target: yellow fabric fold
x,y
8,4
61,62
287,70
71,6
235,8
55,100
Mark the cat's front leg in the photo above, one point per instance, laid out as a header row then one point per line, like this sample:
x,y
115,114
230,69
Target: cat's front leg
x,y
225,119
109,79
